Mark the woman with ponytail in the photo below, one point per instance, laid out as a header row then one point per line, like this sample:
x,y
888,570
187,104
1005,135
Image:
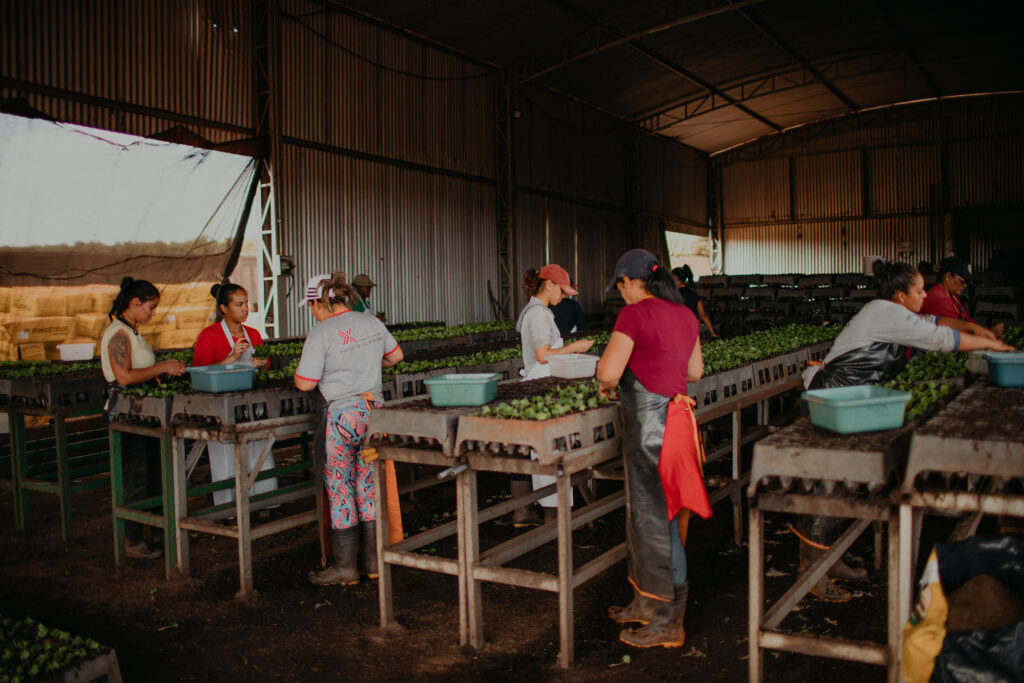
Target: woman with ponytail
x,y
652,355
343,355
126,359
540,340
228,342
871,348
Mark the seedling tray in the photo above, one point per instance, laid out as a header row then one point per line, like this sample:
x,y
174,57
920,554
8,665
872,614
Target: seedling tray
x,y
61,391
128,408
240,407
551,439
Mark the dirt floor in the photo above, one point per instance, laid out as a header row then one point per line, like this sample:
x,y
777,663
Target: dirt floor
x,y
196,630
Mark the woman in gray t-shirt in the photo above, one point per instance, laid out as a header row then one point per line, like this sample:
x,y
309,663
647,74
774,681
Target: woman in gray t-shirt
x,y
343,355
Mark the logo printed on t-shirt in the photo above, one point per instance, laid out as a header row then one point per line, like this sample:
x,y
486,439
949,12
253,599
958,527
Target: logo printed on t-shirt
x,y
346,336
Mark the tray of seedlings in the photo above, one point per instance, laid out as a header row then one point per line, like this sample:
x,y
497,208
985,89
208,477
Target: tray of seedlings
x,y
49,385
550,423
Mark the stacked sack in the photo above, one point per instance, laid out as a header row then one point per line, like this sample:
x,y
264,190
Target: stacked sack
x,y
35,320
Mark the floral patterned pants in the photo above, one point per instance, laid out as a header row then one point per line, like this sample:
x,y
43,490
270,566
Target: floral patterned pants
x,y
348,479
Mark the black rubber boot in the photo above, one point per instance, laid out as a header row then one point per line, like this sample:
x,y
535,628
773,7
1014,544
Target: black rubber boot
x,y
639,611
826,589
343,572
368,554
666,626
526,515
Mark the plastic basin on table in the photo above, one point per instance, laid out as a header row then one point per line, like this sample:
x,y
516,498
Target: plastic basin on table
x,y
217,379
848,410
1006,369
573,365
469,389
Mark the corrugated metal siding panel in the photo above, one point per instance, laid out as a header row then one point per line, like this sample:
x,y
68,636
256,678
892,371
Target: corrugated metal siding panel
x,y
902,178
432,251
369,97
584,240
674,181
192,57
563,147
989,171
755,191
827,185
815,247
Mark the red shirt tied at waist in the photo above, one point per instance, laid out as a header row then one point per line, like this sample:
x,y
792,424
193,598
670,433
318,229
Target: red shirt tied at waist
x,y
943,304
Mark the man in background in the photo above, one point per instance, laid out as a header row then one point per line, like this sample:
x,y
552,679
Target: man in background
x,y
569,315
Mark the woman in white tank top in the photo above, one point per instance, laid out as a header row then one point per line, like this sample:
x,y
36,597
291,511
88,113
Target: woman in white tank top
x,y
126,360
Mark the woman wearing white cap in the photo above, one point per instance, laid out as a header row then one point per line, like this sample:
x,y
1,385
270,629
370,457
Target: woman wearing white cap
x,y
541,340
343,355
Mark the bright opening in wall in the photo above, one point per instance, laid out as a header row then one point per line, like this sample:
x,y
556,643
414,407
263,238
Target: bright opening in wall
x,y
696,251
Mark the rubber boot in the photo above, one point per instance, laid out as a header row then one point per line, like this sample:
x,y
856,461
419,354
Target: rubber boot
x,y
666,626
825,588
343,572
526,515
368,555
638,611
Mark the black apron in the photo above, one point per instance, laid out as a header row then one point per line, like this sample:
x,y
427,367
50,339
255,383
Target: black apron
x,y
868,365
647,524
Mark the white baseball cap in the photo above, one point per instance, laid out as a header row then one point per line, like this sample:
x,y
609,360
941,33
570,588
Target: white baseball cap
x,y
313,288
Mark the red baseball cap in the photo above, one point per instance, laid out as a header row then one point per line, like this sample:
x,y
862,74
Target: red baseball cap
x,y
559,276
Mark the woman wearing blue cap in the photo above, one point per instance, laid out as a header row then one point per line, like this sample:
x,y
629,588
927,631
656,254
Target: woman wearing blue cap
x,y
653,353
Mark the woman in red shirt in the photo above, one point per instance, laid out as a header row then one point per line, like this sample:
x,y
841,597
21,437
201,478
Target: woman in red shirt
x,y
652,355
222,343
943,298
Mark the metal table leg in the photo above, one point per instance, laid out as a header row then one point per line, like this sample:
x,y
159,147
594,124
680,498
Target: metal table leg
x,y
565,572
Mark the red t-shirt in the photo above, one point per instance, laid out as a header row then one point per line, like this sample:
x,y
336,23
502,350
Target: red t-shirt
x,y
212,344
943,304
663,335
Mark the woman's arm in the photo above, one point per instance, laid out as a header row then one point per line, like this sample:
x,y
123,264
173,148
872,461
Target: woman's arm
x,y
695,367
966,327
704,318
393,358
541,353
973,342
119,351
613,363
303,384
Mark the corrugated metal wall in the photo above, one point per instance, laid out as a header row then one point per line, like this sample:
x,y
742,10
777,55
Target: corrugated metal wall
x,y
820,199
387,161
190,58
428,241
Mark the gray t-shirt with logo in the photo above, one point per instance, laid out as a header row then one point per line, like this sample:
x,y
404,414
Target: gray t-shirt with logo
x,y
344,353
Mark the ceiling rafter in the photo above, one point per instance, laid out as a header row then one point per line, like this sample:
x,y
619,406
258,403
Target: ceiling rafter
x,y
672,113
915,58
678,70
799,58
601,38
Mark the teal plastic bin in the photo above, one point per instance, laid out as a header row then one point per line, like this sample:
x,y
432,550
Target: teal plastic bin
x,y
470,389
1006,369
848,410
217,379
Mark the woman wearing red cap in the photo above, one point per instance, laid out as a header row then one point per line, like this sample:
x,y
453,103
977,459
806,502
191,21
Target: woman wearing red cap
x,y
541,340
652,355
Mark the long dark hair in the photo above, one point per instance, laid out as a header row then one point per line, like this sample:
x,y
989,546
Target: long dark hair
x,y
685,275
659,282
143,290
893,277
223,293
532,282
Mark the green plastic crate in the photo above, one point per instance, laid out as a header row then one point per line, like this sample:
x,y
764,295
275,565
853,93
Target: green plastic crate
x,y
217,379
470,389
848,410
1006,369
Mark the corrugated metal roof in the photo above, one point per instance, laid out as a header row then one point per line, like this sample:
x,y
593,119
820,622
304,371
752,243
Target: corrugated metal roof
x,y
715,73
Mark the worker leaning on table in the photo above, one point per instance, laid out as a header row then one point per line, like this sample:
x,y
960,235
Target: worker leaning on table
x,y
343,355
228,342
653,353
871,348
126,359
943,298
